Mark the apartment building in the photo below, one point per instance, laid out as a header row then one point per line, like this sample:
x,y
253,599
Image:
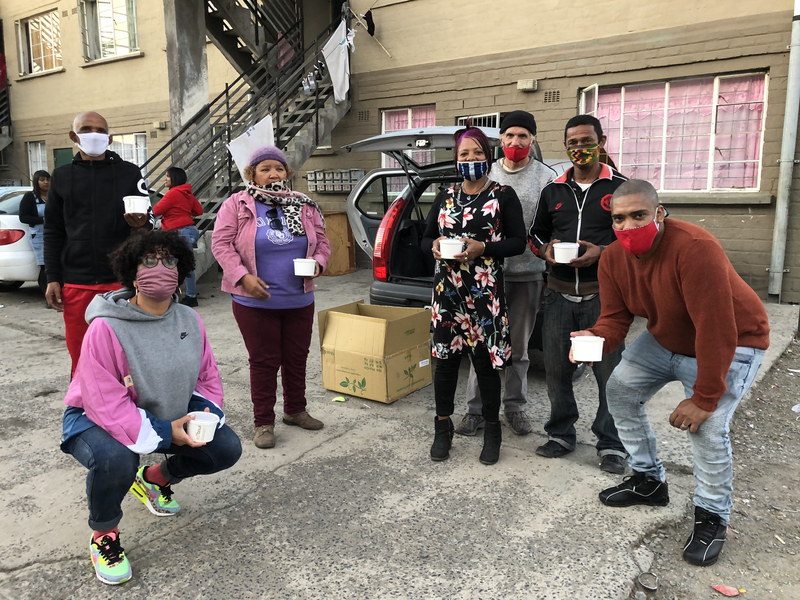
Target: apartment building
x,y
691,94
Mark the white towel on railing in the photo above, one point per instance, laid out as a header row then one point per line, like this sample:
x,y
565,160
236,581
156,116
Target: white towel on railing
x,y
337,58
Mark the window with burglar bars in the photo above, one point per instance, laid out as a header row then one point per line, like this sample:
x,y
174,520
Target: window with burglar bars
x,y
703,134
39,40
37,158
489,120
131,147
108,28
414,117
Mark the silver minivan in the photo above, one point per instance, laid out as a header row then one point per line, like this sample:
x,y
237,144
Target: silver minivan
x,y
388,209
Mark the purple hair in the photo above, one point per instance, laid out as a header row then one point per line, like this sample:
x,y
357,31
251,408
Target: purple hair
x,y
477,135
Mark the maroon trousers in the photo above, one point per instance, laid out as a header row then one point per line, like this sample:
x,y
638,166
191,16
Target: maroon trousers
x,y
276,339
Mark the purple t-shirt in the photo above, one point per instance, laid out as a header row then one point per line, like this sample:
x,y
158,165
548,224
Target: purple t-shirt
x,y
275,254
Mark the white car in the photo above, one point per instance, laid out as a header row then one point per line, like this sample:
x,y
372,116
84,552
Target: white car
x,y
17,258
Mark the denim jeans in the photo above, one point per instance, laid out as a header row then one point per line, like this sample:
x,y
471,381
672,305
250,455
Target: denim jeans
x,y
190,235
560,318
646,367
112,468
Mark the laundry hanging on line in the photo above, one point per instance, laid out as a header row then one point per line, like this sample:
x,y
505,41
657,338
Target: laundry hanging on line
x,y
337,56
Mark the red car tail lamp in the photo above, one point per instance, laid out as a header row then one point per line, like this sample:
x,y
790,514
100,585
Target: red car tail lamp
x,y
383,239
10,236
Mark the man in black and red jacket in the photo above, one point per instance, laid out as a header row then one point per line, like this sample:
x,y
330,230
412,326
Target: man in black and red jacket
x,y
576,207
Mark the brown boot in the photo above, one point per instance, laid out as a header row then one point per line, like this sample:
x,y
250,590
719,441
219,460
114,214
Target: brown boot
x,y
264,436
304,420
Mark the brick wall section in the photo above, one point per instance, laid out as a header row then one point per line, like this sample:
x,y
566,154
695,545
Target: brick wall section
x,y
460,88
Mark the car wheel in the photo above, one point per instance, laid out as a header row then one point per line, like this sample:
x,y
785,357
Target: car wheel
x,y
10,286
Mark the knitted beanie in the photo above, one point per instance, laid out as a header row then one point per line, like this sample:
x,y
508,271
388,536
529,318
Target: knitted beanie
x,y
267,153
518,118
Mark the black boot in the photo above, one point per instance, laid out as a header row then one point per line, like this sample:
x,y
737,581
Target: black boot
x,y
440,450
492,438
705,543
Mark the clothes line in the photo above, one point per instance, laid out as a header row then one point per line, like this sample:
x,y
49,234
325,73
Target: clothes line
x,y
364,25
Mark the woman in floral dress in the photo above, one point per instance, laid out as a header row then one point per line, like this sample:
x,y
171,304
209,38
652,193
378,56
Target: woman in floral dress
x,y
469,309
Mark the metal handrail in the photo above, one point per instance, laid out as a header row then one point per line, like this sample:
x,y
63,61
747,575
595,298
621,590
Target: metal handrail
x,y
265,88
5,108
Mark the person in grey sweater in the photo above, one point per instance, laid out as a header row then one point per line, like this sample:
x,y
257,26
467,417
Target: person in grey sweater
x,y
523,273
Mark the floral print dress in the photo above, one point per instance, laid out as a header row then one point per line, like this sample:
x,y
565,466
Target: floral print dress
x,y
469,308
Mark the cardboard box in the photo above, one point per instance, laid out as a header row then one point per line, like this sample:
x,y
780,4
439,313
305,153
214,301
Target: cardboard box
x,y
377,352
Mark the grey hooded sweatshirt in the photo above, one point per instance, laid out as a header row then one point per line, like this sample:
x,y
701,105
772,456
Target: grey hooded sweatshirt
x,y
528,183
163,352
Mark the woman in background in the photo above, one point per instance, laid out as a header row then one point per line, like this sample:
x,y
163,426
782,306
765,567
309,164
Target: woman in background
x,y
31,212
176,209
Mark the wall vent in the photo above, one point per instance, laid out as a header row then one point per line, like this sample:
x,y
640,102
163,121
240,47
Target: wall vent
x,y
154,133
363,116
552,96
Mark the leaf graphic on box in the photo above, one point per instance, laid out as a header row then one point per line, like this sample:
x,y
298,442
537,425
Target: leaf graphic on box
x,y
345,383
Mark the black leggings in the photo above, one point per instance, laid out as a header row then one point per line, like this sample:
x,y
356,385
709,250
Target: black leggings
x,y
445,382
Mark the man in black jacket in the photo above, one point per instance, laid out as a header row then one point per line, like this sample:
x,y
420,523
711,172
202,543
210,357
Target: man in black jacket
x,y
85,220
576,207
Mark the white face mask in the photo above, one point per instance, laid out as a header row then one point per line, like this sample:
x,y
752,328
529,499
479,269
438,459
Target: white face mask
x,y
93,144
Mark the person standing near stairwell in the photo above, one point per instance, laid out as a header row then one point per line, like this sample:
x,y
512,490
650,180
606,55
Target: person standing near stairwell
x,y
523,274
176,209
84,221
576,207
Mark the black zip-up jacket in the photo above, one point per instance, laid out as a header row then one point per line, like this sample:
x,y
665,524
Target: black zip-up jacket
x,y
83,218
568,214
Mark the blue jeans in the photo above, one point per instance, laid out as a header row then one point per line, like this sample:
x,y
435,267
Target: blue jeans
x,y
190,235
560,318
646,367
112,468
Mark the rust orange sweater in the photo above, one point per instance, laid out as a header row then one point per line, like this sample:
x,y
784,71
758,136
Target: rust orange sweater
x,y
694,302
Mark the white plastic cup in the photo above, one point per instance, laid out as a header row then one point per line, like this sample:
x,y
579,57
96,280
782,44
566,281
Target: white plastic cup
x,y
136,205
202,428
587,348
565,251
449,248
304,267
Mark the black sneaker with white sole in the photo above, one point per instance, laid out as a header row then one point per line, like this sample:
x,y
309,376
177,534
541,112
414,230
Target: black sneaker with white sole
x,y
705,543
637,489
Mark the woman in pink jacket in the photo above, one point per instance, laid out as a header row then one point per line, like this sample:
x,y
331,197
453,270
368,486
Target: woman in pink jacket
x,y
126,399
257,235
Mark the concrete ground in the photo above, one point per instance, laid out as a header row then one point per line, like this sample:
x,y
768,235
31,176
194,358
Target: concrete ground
x,y
356,510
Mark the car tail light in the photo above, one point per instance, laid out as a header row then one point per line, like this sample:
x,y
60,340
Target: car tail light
x,y
383,239
9,236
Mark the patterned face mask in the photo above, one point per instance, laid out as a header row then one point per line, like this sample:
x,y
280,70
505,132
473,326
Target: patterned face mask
x,y
473,171
584,156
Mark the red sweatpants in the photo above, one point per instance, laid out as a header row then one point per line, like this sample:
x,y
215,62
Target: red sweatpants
x,y
76,298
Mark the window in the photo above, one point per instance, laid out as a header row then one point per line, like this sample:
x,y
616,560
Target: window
x,y
37,157
686,135
408,118
108,28
39,43
131,147
489,120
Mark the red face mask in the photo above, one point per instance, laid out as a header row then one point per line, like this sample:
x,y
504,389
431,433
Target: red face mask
x,y
515,153
639,240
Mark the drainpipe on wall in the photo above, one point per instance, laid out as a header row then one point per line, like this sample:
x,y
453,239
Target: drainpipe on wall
x,y
788,143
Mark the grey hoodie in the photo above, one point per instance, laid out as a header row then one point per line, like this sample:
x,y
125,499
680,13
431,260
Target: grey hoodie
x,y
163,352
528,183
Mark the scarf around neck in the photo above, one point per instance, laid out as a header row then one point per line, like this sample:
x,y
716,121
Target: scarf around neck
x,y
276,194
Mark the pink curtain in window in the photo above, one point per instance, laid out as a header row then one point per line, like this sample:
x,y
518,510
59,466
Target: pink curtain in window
x,y
398,120
395,120
636,147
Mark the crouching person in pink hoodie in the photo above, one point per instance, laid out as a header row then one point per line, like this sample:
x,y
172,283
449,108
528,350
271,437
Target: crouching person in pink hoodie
x,y
145,365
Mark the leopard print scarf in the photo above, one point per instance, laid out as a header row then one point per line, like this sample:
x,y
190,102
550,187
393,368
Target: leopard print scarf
x,y
291,202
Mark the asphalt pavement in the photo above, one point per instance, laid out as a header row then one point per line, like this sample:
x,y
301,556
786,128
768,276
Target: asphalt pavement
x,y
355,510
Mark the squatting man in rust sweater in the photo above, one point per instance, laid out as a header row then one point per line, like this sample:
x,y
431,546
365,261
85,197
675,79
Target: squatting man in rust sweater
x,y
705,328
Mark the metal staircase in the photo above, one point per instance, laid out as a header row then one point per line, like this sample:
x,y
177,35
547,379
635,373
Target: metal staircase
x,y
272,85
243,30
6,136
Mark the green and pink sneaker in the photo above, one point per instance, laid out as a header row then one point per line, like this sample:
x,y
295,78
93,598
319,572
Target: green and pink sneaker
x,y
158,499
109,560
